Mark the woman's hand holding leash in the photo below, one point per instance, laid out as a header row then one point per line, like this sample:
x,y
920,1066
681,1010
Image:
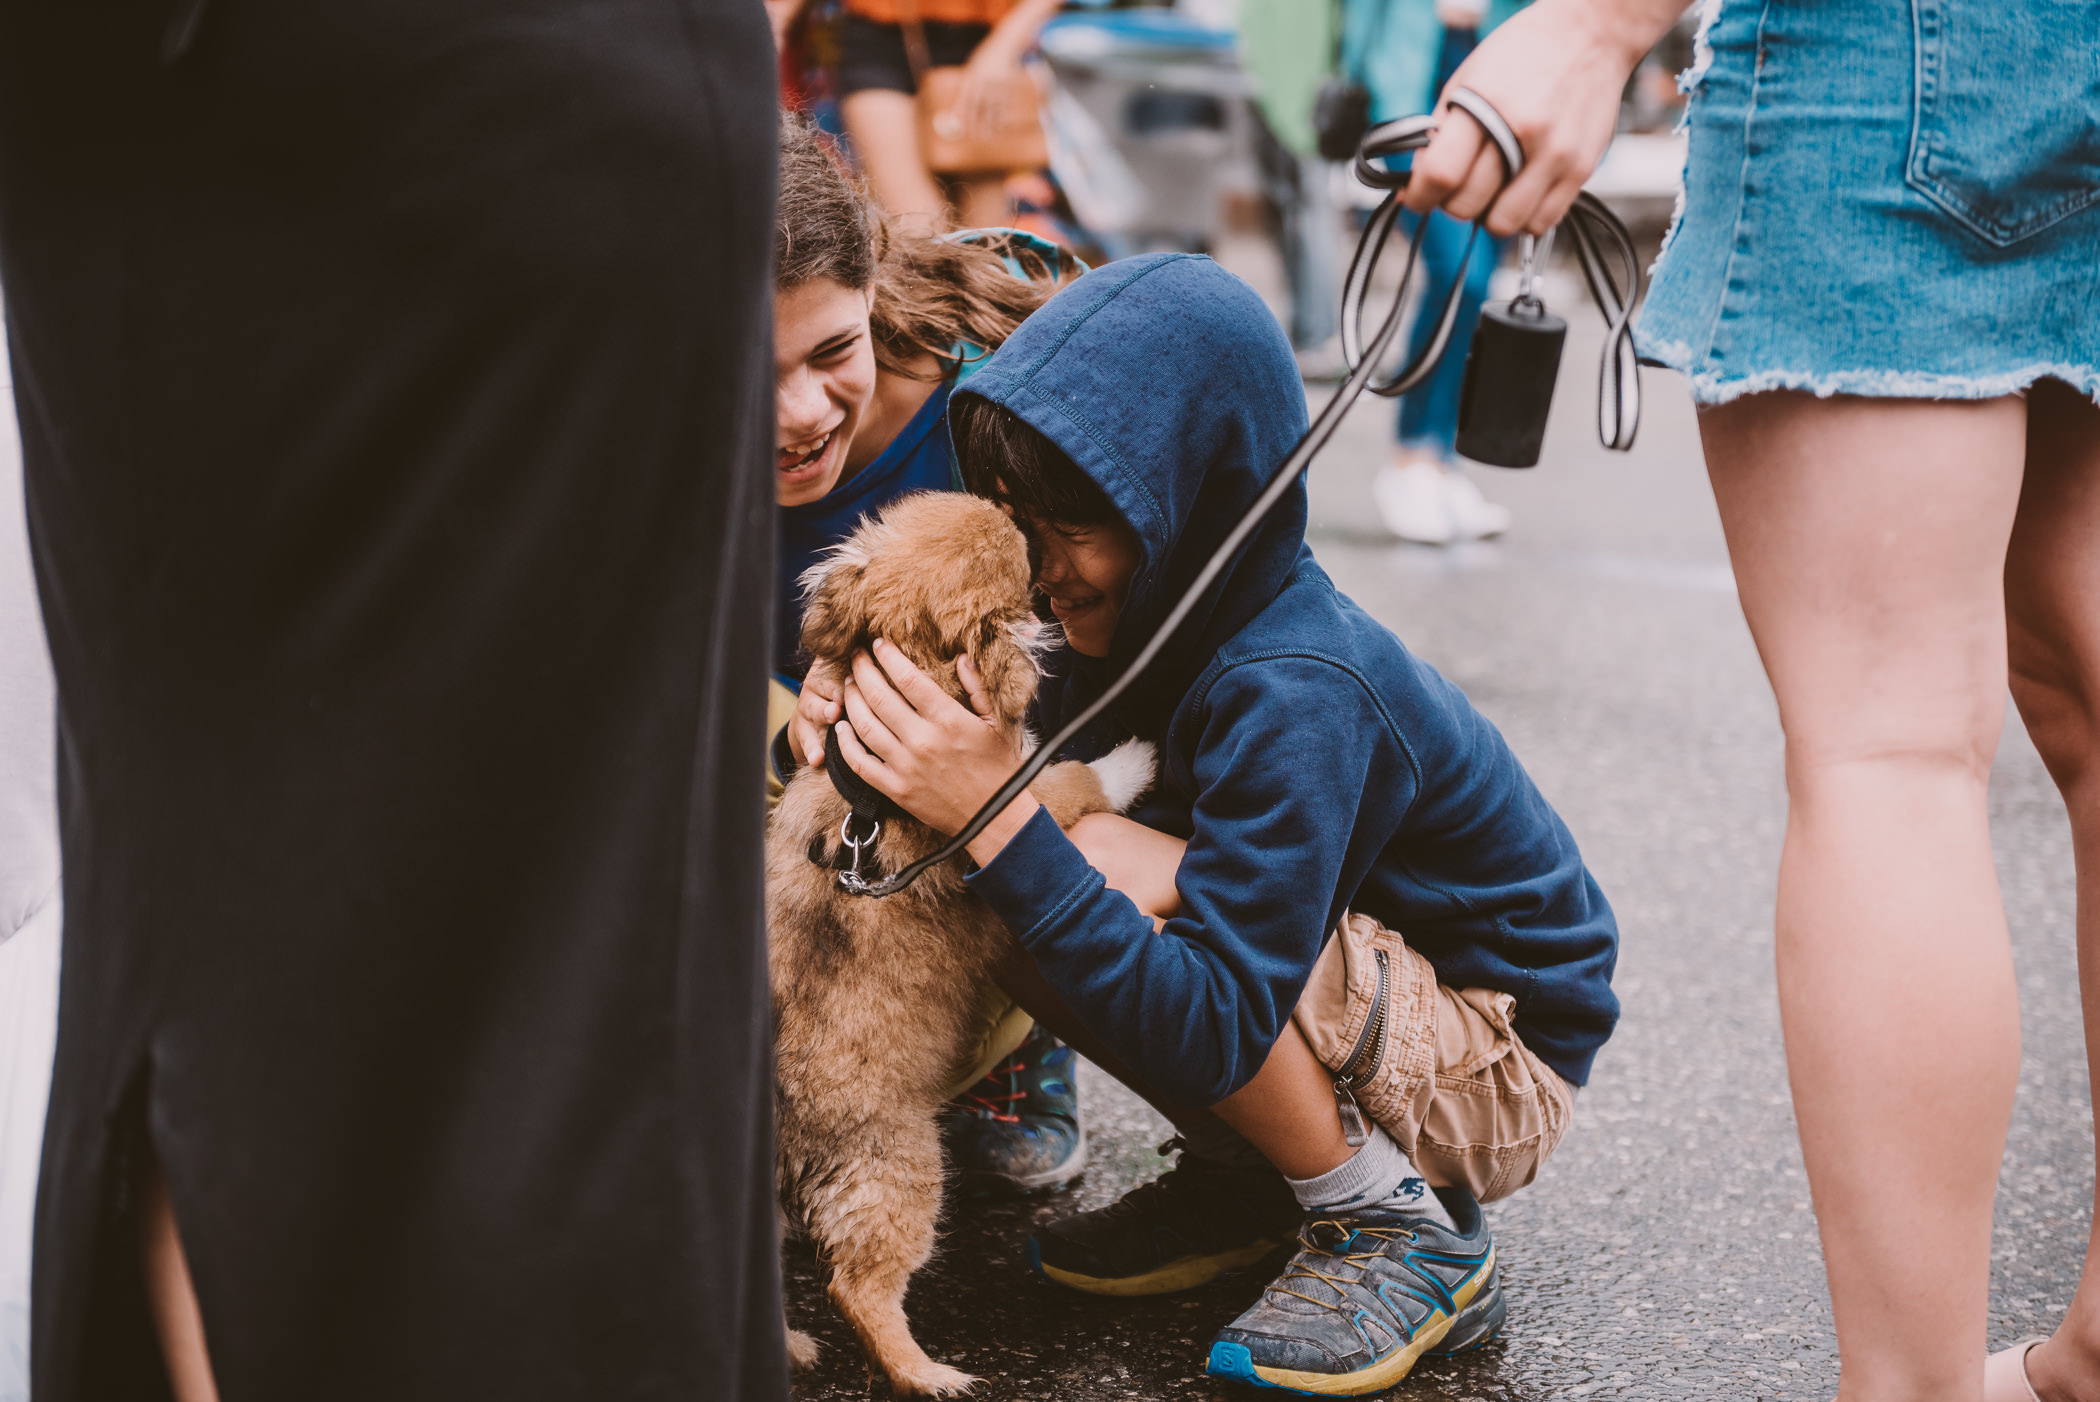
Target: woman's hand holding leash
x,y
1554,72
935,759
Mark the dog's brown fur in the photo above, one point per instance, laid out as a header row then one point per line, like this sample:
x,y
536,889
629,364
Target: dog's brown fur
x,y
876,1000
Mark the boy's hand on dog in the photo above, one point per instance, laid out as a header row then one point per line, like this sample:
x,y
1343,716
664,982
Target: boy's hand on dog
x,y
817,709
938,760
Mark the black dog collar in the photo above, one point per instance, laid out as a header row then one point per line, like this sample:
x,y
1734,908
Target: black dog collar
x,y
869,803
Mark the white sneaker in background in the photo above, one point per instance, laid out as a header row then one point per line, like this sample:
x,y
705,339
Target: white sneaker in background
x,y
1415,502
1473,516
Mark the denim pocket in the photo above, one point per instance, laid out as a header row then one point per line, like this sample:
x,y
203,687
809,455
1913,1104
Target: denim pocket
x,y
2006,133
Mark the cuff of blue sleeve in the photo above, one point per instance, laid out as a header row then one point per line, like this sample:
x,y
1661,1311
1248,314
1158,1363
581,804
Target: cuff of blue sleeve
x,y
1037,876
783,757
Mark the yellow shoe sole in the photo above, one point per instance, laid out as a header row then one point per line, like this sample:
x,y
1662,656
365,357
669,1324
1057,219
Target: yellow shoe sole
x,y
1389,1370
1184,1274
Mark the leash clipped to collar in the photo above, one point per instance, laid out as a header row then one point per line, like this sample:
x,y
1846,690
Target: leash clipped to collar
x,y
1618,414
871,808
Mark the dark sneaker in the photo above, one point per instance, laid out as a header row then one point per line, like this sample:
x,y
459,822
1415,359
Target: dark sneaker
x,y
1018,1130
1185,1228
1367,1295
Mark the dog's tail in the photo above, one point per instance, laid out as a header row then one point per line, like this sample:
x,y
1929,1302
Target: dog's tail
x,y
1126,773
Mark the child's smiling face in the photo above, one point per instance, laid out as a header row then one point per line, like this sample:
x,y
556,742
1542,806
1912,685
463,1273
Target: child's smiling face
x,y
1085,571
824,376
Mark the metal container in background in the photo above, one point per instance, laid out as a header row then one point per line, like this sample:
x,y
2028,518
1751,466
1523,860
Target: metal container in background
x,y
1149,125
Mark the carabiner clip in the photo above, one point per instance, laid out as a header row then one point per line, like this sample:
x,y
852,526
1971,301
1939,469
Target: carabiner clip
x,y
1532,254
849,875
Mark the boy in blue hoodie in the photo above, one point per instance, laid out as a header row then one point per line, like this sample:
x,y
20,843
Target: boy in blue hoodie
x,y
1320,790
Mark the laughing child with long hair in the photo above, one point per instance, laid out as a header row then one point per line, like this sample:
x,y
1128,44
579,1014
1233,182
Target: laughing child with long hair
x,y
873,328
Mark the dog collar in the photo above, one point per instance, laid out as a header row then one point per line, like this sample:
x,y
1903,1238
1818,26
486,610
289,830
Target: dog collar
x,y
869,803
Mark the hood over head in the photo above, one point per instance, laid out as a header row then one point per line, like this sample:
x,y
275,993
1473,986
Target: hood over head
x,y
1168,381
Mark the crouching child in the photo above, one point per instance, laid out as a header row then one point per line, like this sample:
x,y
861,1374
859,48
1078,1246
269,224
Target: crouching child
x,y
1348,947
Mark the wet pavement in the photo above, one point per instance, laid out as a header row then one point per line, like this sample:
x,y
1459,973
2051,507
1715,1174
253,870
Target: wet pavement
x,y
1668,1249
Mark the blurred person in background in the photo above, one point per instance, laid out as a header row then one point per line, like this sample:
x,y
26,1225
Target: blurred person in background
x,y
1404,52
1881,292
29,904
391,380
878,86
1288,49
805,36
874,326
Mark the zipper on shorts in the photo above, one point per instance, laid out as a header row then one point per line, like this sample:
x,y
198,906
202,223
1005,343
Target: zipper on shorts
x,y
1363,1060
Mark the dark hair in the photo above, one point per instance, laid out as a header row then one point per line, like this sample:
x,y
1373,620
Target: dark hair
x,y
823,226
1013,463
930,293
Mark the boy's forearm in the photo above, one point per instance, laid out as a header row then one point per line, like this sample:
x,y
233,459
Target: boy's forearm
x,y
1099,951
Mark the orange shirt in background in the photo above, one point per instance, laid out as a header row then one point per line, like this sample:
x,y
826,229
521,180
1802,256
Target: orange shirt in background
x,y
937,11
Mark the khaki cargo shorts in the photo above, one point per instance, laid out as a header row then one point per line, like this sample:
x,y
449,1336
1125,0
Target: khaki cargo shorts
x,y
1443,1070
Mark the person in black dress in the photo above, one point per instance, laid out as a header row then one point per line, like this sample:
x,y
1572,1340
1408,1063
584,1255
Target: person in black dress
x,y
393,380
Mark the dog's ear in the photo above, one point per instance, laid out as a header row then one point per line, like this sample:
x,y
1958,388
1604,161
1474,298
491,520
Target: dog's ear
x,y
833,619
1005,654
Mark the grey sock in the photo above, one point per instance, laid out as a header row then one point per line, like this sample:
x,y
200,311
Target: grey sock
x,y
1377,1175
1209,1137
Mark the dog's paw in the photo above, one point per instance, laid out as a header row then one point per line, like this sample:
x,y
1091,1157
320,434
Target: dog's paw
x,y
1126,773
933,1380
802,1350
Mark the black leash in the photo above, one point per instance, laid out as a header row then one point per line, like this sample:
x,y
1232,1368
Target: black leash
x,y
1618,415
1600,241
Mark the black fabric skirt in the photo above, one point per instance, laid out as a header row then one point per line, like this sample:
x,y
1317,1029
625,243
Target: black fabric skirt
x,y
395,385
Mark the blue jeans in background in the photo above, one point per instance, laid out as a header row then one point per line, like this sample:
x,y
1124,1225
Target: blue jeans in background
x,y
1429,412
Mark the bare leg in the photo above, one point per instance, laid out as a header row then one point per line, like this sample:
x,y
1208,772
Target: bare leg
x,y
2052,585
1287,1111
1869,540
173,1299
884,126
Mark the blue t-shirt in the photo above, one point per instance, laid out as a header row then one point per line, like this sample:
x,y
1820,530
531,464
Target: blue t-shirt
x,y
918,459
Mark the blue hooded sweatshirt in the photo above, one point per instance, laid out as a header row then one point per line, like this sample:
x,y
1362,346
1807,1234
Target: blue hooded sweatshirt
x,y
1313,764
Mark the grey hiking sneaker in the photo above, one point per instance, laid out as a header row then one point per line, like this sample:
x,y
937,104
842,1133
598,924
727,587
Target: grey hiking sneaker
x,y
1367,1295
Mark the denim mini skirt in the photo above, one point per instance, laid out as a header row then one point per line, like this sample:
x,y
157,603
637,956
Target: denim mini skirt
x,y
1886,197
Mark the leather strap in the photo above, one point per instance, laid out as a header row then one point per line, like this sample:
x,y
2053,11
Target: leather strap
x,y
1611,266
915,51
1475,106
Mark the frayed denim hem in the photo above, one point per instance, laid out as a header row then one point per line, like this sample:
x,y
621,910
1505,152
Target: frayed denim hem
x,y
1691,78
1711,387
1702,50
1684,180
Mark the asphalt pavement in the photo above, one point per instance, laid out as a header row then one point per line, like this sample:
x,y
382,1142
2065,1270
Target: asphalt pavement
x,y
1668,1250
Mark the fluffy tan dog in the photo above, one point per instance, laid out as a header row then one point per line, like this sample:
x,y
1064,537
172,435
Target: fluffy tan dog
x,y
876,1000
